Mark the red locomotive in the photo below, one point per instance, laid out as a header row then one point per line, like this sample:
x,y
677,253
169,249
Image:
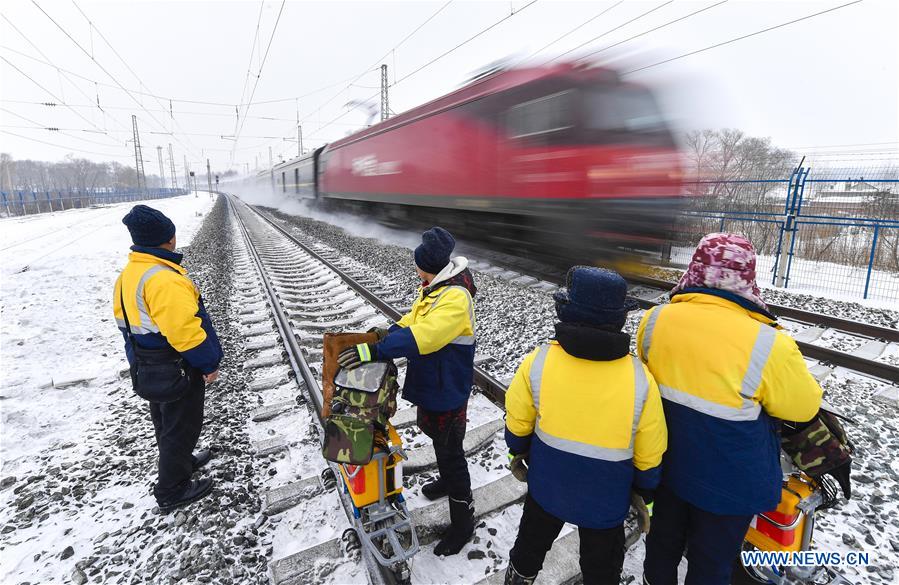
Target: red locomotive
x,y
565,161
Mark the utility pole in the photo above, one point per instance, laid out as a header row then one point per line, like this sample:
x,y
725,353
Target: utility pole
x,y
172,167
385,103
161,167
138,157
187,173
299,140
208,176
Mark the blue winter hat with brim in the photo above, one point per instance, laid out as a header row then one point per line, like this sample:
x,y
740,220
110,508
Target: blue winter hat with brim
x,y
594,296
148,227
434,252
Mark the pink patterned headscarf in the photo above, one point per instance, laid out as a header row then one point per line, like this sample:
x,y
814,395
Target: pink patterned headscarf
x,y
725,262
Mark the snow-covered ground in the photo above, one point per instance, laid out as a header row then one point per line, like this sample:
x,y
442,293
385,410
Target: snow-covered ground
x,y
61,357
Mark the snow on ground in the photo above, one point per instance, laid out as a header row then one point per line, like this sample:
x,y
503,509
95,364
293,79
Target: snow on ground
x,y
61,348
60,384
512,319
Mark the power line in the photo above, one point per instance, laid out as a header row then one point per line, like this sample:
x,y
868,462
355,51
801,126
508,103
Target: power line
x,y
64,147
465,42
740,38
611,30
670,22
434,60
246,79
59,70
8,62
258,75
102,68
575,29
125,63
39,126
374,65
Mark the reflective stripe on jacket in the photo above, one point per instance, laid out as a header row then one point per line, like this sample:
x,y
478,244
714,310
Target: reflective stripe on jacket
x,y
723,372
165,309
593,428
437,336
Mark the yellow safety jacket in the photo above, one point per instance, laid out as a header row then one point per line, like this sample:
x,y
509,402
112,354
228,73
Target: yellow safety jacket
x,y
437,336
165,308
593,428
724,370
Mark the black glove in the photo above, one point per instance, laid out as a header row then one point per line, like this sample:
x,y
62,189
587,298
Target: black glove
x,y
380,331
841,474
647,495
357,355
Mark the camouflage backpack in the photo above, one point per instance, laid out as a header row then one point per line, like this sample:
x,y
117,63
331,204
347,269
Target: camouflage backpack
x,y
364,400
818,446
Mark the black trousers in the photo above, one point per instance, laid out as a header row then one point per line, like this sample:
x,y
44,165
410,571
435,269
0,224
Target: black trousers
x,y
447,431
712,542
177,426
601,551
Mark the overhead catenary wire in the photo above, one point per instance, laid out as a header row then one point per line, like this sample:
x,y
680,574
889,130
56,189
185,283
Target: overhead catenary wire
x,y
740,38
435,59
661,26
51,94
56,145
93,27
610,31
258,75
102,68
571,31
60,71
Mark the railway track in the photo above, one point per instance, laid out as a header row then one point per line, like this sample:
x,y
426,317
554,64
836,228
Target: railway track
x,y
310,288
308,291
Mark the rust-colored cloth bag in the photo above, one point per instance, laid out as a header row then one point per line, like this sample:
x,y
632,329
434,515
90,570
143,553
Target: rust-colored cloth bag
x,y
332,345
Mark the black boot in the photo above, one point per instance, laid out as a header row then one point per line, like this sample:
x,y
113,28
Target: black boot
x,y
201,458
195,490
434,490
513,577
461,527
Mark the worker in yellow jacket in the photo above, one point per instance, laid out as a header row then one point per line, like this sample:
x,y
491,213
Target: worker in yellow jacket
x,y
437,336
726,372
172,348
588,417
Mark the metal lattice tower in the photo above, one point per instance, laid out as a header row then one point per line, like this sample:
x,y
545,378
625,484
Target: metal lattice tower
x,y
138,157
161,167
172,167
385,102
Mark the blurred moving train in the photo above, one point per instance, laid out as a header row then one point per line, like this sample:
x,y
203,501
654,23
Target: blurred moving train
x,y
565,162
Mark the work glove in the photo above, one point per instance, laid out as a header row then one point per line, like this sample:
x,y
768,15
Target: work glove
x,y
518,464
356,355
380,331
841,474
644,509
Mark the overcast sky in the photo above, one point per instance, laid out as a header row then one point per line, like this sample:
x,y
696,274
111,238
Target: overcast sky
x,y
827,84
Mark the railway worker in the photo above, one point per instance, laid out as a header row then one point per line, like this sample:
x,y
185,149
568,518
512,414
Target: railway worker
x,y
588,417
437,338
726,373
164,317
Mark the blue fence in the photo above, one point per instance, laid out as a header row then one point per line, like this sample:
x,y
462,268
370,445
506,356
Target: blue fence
x,y
30,202
837,235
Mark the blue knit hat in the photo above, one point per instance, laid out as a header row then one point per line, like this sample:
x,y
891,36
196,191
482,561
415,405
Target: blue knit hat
x,y
594,296
434,252
148,227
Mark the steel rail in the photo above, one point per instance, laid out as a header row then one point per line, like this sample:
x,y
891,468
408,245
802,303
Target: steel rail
x,y
380,575
492,388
